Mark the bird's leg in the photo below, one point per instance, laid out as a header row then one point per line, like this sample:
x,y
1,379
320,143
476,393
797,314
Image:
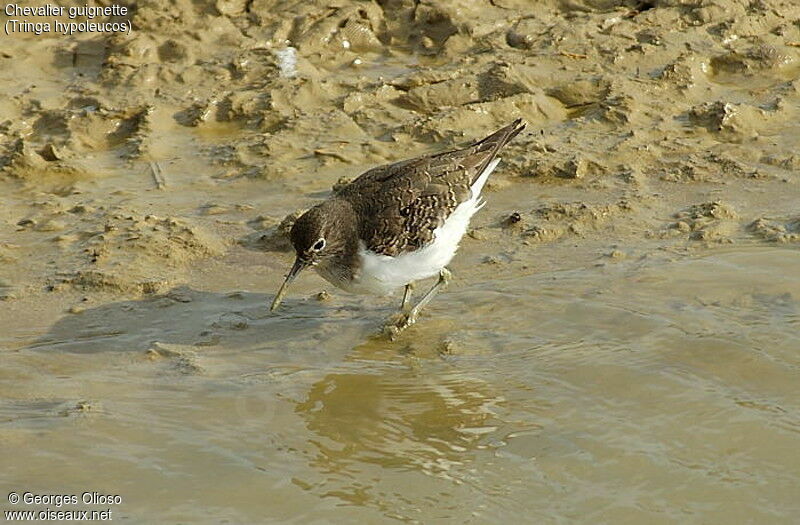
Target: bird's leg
x,y
407,297
410,318
444,278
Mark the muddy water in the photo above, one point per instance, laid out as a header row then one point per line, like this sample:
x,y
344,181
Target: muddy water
x,y
634,393
620,341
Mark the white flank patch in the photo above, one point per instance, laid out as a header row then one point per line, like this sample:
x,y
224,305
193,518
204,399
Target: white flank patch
x,y
287,61
382,274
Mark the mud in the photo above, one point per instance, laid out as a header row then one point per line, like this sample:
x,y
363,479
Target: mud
x,y
619,341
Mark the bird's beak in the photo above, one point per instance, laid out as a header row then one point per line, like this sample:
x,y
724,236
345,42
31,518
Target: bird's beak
x,y
299,265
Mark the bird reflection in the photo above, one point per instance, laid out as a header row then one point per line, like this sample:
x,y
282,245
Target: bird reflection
x,y
386,413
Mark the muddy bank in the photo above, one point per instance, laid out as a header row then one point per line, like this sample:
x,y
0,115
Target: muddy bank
x,y
662,105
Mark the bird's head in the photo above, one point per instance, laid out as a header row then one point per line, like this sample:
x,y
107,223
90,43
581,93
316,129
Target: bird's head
x,y
318,234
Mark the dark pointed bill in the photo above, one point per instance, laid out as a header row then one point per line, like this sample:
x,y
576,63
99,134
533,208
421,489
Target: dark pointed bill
x,y
298,266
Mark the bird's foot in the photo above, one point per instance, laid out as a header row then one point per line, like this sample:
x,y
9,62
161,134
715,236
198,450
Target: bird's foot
x,y
398,322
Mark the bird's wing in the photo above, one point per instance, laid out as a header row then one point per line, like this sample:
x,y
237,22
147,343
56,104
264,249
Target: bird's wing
x,y
414,197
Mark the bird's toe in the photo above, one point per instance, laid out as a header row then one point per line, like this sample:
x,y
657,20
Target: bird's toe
x,y
398,322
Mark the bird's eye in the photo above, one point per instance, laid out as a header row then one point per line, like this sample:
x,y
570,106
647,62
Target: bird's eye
x,y
319,245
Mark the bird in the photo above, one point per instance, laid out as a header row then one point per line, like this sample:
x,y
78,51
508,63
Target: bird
x,y
397,224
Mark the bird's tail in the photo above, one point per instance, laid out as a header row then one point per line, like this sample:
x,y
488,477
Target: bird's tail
x,y
500,138
488,148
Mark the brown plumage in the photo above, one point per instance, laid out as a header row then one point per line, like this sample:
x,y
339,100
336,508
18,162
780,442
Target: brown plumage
x,y
408,200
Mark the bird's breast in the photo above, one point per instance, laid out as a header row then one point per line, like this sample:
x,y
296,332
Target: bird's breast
x,y
353,279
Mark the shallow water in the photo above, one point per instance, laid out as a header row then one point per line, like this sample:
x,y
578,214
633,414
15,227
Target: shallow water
x,y
633,392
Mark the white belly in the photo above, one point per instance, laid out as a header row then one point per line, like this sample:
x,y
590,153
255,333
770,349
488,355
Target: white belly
x,y
382,274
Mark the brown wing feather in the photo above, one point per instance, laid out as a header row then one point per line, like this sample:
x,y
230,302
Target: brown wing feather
x,y
414,197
